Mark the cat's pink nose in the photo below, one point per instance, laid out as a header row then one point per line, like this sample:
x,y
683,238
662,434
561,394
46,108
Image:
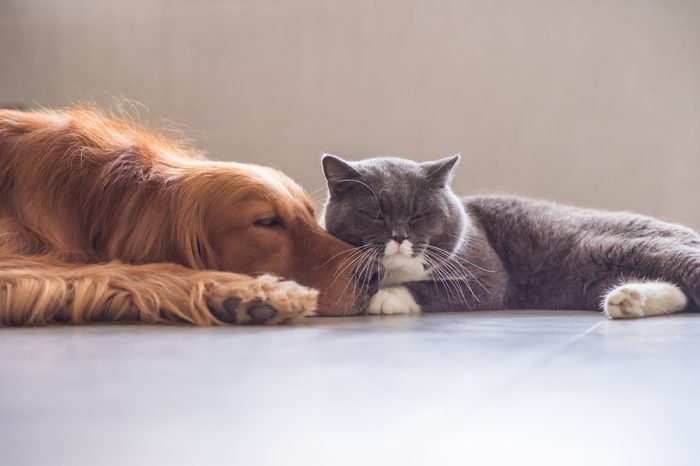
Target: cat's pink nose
x,y
399,238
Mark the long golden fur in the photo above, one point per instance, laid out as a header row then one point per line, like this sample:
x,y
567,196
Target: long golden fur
x,y
103,221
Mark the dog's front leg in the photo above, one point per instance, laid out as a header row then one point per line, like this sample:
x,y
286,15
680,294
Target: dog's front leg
x,y
37,292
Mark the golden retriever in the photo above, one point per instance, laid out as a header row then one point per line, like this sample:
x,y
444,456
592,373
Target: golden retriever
x,y
101,220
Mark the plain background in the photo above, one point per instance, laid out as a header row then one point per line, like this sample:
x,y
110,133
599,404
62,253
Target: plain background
x,y
584,101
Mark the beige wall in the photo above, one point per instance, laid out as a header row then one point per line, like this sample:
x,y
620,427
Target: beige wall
x,y
595,102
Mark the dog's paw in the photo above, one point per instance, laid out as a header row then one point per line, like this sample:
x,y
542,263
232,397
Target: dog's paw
x,y
643,299
262,300
393,300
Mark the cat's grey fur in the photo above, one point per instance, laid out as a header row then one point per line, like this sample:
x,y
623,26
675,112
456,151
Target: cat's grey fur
x,y
502,251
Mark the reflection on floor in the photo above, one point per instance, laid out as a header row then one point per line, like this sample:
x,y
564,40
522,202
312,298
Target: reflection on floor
x,y
469,389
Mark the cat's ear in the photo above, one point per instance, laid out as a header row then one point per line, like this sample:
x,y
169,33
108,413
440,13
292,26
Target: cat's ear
x,y
337,172
439,173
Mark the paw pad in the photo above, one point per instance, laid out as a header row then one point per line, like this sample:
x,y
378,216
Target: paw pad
x,y
624,302
261,313
261,300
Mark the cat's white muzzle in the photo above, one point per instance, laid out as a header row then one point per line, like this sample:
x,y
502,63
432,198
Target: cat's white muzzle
x,y
399,263
395,252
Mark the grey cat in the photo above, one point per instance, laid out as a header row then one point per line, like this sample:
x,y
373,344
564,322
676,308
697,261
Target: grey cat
x,y
437,252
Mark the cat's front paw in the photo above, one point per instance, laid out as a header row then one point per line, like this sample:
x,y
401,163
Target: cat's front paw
x,y
393,300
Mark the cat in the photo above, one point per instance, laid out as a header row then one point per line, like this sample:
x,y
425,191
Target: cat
x,y
433,251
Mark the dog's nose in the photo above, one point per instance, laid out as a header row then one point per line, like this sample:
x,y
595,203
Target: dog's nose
x,y
399,238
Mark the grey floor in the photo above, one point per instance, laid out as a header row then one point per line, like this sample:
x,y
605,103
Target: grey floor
x,y
468,389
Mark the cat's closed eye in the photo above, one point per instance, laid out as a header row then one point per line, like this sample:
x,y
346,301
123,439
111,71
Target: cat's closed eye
x,y
370,214
418,217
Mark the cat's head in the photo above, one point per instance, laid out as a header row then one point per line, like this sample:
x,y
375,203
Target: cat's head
x,y
403,212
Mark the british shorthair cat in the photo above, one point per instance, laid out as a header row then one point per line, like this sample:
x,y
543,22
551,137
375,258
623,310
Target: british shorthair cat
x,y
439,252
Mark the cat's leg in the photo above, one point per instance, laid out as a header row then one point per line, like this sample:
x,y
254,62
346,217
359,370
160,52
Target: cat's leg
x,y
649,276
435,296
643,299
680,265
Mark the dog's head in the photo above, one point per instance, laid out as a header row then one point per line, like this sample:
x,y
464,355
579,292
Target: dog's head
x,y
251,219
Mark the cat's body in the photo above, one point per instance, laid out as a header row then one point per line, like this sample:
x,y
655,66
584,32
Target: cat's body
x,y
441,253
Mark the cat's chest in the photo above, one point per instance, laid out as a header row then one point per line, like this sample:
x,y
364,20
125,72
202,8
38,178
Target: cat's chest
x,y
409,271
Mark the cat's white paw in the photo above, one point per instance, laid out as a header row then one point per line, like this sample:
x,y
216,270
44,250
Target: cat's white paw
x,y
634,300
393,300
624,302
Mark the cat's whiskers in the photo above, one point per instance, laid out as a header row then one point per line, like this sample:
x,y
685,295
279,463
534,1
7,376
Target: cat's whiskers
x,y
457,264
361,262
429,268
356,253
456,271
348,251
457,280
449,282
361,270
461,255
349,261
356,260
438,275
453,287
379,270
366,272
460,270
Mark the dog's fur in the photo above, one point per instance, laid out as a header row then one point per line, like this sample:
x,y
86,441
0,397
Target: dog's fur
x,y
101,220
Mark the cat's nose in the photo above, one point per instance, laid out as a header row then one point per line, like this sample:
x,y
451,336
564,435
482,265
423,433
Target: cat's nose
x,y
399,238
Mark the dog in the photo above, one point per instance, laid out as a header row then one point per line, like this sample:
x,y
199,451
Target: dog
x,y
102,220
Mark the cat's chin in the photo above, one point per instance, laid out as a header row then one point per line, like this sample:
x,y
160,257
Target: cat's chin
x,y
398,261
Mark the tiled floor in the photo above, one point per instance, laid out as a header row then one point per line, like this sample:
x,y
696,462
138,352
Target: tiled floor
x,y
464,389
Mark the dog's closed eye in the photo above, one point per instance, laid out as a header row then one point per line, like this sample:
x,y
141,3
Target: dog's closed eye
x,y
269,222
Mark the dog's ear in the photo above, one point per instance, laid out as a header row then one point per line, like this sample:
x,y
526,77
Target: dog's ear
x,y
192,237
439,172
338,173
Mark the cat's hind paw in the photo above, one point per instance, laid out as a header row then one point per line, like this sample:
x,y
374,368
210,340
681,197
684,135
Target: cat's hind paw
x,y
624,302
633,300
393,300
